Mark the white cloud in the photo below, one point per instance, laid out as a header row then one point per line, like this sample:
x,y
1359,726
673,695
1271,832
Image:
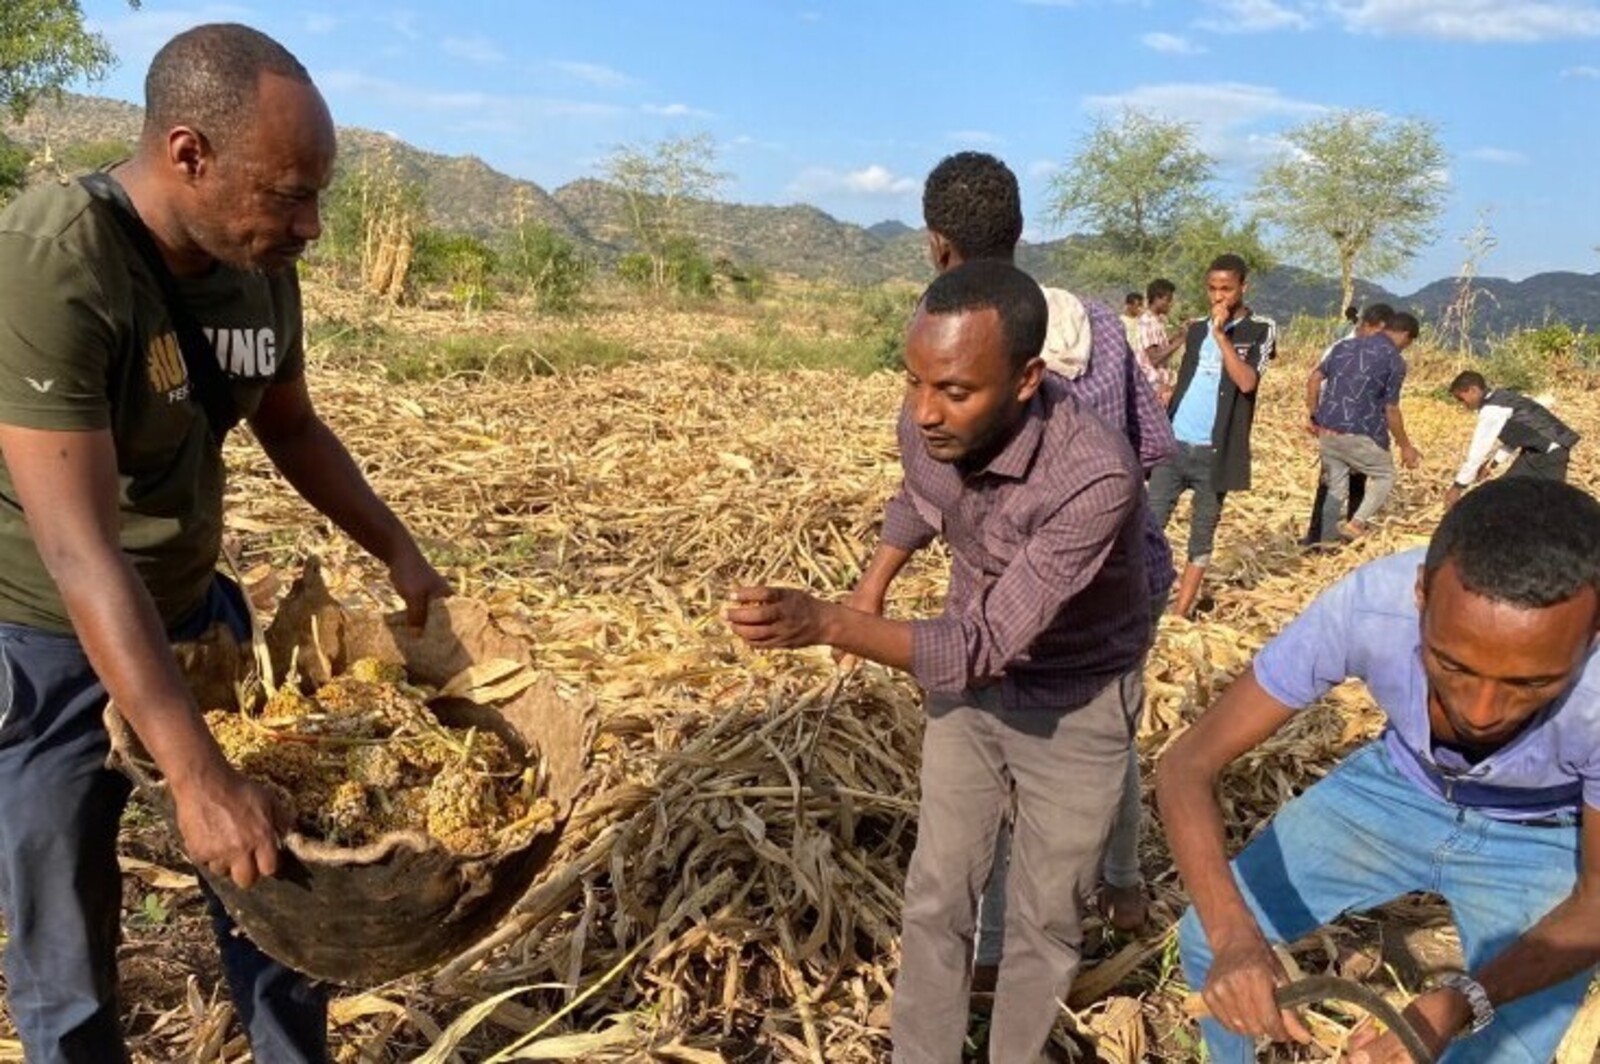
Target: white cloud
x,y
675,110
595,74
402,22
477,50
1040,169
1209,104
1171,44
1592,73
745,140
1253,16
874,180
320,24
1232,121
517,111
810,16
1499,156
974,136
1477,21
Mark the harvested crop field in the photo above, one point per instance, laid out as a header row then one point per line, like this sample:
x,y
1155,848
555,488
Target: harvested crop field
x,y
728,888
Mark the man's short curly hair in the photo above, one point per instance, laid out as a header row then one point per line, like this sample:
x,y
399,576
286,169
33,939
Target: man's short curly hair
x,y
971,199
207,78
1526,542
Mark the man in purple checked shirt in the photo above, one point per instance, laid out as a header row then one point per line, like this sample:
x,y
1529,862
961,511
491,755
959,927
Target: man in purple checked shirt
x,y
973,210
1032,671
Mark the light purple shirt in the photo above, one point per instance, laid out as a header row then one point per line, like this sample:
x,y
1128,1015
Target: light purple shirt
x,y
1047,582
1367,627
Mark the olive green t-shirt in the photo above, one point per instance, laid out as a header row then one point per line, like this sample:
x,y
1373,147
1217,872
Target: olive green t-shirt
x,y
86,344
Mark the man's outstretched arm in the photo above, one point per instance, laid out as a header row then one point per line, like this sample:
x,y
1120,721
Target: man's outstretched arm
x,y
1245,971
66,483
317,465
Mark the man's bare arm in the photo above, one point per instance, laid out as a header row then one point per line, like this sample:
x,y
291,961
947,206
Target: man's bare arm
x,y
319,467
1245,971
67,485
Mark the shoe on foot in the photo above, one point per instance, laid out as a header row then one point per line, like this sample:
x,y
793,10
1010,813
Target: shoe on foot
x,y
1353,529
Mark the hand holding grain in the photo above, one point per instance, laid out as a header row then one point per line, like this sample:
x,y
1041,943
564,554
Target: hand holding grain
x,y
775,618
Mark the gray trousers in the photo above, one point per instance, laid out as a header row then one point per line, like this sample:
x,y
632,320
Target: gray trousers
x,y
1189,470
1119,868
1345,453
1063,772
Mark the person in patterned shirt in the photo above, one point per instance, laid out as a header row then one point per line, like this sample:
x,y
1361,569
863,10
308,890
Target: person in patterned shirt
x,y
1156,345
972,207
1033,672
1353,400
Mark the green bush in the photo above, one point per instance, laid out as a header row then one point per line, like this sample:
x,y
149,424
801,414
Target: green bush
x,y
549,265
689,271
747,281
884,312
636,269
461,262
14,159
1521,360
682,268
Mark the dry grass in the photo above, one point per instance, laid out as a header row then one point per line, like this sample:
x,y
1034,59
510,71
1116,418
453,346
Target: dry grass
x,y
729,887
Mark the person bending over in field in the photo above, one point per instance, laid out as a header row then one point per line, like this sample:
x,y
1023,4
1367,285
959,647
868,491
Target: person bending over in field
x,y
1353,408
111,515
1361,323
1511,421
1032,672
1484,786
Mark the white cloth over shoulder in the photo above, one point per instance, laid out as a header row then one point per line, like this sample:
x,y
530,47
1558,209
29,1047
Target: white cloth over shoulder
x,y
1067,339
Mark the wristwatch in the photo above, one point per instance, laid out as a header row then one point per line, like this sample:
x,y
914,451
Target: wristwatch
x,y
1477,997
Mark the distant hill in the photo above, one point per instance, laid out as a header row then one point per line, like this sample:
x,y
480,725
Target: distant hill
x,y
75,120
465,193
890,229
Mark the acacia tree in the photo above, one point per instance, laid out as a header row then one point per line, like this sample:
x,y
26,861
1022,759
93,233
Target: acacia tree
x,y
1356,192
1138,194
658,182
43,46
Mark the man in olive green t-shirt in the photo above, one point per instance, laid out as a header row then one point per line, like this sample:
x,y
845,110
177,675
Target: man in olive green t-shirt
x,y
111,519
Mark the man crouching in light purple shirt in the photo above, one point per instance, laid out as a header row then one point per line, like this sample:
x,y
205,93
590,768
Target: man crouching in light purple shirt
x,y
1032,671
1484,788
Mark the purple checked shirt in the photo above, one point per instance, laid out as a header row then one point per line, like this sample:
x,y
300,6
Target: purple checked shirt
x,y
1047,583
1116,388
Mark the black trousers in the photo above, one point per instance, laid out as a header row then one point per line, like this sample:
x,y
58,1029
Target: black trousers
x,y
1544,465
1358,491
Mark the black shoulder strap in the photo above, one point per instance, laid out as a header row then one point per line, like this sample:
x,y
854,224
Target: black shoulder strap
x,y
208,385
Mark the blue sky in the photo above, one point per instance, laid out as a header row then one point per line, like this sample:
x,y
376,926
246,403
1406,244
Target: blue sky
x,y
846,105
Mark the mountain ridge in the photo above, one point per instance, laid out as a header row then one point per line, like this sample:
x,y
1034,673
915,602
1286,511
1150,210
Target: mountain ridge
x,y
466,193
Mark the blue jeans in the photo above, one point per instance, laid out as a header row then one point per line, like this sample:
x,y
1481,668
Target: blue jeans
x,y
60,886
1364,836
